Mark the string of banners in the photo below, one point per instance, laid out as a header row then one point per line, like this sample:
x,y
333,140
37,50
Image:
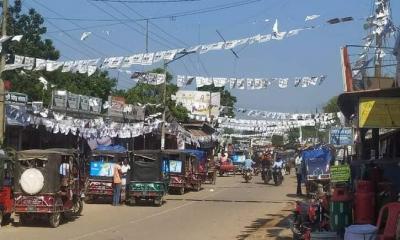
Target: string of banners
x,y
249,83
89,66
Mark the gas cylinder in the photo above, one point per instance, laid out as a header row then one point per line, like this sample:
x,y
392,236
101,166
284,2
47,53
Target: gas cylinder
x,y
340,209
364,207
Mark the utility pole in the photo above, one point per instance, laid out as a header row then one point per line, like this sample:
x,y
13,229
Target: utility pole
x,y
164,106
147,35
2,66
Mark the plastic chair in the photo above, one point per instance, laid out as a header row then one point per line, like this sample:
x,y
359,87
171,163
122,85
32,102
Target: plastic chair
x,y
389,229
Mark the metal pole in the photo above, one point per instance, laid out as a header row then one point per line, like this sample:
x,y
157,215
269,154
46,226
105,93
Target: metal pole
x,y
2,65
165,107
147,35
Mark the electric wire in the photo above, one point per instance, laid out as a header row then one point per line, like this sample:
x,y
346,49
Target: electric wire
x,y
143,1
97,35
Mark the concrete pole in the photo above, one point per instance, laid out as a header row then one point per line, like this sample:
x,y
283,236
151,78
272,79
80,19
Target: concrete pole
x,y
165,107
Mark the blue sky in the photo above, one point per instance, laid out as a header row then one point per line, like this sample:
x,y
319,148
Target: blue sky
x,y
309,53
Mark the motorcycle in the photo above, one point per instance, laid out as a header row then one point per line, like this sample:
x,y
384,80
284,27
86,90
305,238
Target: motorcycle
x,y
277,175
247,175
266,175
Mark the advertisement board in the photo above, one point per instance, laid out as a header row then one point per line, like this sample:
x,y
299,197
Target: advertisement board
x,y
59,99
72,101
101,169
341,136
67,101
200,102
117,105
16,98
379,113
340,173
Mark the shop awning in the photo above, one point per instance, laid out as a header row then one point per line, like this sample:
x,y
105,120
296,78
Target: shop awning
x,y
348,102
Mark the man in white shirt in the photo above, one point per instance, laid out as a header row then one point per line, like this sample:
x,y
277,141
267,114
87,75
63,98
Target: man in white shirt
x,y
124,169
298,174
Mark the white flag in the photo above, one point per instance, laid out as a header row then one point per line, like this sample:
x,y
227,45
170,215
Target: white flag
x,y
250,83
231,44
219,82
29,62
53,65
40,64
181,81
254,39
82,66
18,59
91,70
283,82
85,35
264,38
67,67
294,32
137,59
278,36
17,38
115,62
232,83
158,56
275,29
147,58
170,54
311,17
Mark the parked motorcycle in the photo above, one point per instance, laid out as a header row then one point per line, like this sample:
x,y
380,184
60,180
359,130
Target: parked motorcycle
x,y
247,175
266,175
277,175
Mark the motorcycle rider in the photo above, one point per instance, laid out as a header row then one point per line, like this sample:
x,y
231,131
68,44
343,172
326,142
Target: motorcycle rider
x,y
278,165
248,164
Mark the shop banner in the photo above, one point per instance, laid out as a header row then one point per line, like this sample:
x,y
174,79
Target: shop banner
x,y
117,105
200,102
379,113
16,98
341,136
340,173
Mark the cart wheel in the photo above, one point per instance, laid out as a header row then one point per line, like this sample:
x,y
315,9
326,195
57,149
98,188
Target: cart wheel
x,y
181,191
54,219
78,207
158,202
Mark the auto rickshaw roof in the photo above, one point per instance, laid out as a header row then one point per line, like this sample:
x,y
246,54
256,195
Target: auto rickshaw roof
x,y
42,154
108,153
65,151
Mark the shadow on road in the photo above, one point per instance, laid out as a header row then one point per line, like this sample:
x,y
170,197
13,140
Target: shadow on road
x,y
221,200
268,228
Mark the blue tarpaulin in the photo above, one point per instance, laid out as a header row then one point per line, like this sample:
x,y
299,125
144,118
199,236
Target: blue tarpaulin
x,y
111,148
316,161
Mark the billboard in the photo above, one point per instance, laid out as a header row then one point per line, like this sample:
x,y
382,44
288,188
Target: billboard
x,y
341,136
379,113
117,105
200,102
67,101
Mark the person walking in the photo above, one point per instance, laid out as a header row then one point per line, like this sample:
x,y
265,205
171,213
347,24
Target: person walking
x,y
117,184
298,174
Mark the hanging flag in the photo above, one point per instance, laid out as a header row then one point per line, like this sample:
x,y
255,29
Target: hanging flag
x,y
18,59
85,35
199,81
147,59
158,56
250,83
312,17
232,83
180,81
231,44
240,83
91,70
170,54
17,38
40,64
283,82
67,67
275,29
264,38
219,82
53,65
29,62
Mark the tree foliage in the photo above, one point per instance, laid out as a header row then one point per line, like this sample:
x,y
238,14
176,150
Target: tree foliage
x,y
227,99
30,25
331,106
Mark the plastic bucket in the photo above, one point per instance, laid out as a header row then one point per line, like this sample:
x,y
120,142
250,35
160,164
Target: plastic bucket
x,y
361,232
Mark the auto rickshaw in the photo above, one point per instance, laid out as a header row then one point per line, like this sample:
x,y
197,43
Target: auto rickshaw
x,y
47,185
6,195
183,171
148,181
99,180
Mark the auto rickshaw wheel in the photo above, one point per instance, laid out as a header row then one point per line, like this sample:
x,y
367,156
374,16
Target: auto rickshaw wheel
x,y
181,191
197,187
54,219
158,202
78,207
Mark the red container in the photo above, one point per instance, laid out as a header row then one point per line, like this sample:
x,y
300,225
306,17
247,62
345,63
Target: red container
x,y
341,194
364,205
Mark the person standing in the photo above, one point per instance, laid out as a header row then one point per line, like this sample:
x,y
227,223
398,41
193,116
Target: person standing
x,y
124,170
117,184
298,174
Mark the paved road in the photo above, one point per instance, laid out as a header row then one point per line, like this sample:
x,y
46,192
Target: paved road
x,y
230,209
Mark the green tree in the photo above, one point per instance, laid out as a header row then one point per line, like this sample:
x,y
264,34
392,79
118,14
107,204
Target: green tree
x,y
331,106
227,99
30,25
144,93
277,140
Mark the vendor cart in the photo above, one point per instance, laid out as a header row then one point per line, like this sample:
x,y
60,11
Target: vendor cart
x,y
316,168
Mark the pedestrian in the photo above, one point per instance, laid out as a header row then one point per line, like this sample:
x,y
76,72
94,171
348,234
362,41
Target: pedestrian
x,y
124,170
298,161
117,184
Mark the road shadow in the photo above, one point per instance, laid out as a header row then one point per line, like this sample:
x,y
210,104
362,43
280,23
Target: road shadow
x,y
221,200
264,226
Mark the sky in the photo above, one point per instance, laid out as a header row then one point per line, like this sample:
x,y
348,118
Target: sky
x,y
310,53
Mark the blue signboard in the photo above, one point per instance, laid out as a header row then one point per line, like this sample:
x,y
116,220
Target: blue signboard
x,y
341,136
101,169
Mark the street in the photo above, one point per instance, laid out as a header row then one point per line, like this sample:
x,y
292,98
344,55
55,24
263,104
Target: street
x,y
231,209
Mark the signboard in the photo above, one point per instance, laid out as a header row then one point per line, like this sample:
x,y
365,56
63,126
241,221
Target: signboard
x,y
73,101
340,173
200,102
117,105
16,98
379,113
341,136
59,99
64,100
101,169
